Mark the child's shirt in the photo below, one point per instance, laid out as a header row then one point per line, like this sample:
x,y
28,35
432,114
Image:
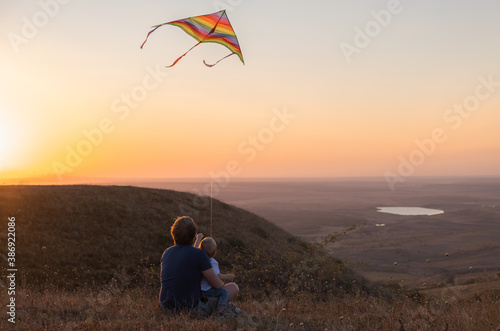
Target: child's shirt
x,y
205,286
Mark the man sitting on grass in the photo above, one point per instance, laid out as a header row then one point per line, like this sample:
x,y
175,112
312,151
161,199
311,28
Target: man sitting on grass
x,y
182,268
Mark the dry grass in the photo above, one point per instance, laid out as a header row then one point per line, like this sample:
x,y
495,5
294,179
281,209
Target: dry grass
x,y
88,259
136,309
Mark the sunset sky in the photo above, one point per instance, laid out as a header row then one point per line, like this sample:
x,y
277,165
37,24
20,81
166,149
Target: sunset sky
x,y
328,88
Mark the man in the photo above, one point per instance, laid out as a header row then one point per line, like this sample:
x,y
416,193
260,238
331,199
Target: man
x,y
182,268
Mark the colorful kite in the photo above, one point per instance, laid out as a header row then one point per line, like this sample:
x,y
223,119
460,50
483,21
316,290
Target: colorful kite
x,y
211,28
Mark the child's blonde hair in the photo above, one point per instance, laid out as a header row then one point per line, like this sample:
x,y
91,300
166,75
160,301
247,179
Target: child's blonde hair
x,y
209,246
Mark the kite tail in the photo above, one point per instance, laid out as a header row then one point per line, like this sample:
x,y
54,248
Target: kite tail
x,y
211,65
180,57
150,32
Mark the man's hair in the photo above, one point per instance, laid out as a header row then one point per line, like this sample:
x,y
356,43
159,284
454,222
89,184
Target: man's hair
x,y
183,231
208,245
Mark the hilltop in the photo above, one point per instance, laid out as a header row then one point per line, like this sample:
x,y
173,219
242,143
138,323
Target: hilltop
x,y
78,235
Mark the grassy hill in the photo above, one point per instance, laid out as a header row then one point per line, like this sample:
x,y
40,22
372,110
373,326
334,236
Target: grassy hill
x,y
88,258
75,236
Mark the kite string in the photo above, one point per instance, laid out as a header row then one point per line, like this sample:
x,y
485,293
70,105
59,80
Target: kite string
x,y
211,184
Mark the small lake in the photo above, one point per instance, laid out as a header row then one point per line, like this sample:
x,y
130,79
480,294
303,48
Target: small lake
x,y
409,211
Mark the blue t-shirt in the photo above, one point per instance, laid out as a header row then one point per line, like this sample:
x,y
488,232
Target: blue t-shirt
x,y
181,273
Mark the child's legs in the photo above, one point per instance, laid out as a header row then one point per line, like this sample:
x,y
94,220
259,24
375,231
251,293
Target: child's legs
x,y
222,294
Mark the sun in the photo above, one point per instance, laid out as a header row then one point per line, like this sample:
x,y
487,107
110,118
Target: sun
x,y
20,152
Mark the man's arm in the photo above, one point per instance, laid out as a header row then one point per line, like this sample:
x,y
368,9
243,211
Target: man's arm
x,y
212,278
226,277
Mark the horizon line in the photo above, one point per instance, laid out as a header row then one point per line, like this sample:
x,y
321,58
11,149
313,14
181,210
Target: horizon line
x,y
112,180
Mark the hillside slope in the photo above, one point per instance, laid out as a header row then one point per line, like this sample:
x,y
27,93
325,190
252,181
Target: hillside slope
x,y
79,235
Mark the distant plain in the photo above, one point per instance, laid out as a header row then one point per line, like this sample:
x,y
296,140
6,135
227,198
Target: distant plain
x,y
461,244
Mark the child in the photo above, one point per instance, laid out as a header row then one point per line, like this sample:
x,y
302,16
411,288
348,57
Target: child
x,y
210,247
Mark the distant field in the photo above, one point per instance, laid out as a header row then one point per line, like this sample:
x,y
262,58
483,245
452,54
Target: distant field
x,y
468,231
